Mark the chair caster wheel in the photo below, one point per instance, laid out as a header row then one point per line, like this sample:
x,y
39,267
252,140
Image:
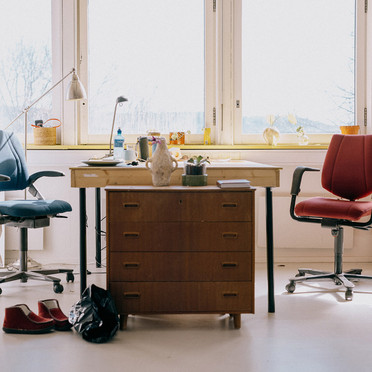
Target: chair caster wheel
x,y
70,277
300,273
58,288
290,287
1,291
348,295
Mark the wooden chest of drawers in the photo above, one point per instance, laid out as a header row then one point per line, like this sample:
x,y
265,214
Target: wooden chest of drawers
x,y
180,250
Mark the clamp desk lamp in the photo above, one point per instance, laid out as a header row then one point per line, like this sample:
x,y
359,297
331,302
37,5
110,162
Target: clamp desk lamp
x,y
120,100
75,91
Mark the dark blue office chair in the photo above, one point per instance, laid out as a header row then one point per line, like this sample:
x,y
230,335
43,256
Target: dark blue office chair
x,y
26,214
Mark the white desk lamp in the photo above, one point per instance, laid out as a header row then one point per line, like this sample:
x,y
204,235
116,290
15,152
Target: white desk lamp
x,y
120,99
75,91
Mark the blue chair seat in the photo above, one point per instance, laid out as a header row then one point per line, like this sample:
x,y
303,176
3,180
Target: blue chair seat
x,y
33,208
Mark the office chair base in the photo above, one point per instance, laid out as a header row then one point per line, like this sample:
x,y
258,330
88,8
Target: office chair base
x,y
338,278
43,275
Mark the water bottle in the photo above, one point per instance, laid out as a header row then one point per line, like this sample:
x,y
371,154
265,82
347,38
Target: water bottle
x,y
119,145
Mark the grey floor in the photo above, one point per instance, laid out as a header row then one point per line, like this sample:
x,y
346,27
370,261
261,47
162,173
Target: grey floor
x,y
310,331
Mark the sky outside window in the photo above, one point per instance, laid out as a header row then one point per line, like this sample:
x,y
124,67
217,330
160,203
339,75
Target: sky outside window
x,y
151,52
298,57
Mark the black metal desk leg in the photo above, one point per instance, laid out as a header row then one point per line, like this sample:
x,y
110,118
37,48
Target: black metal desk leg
x,y
98,227
83,241
270,249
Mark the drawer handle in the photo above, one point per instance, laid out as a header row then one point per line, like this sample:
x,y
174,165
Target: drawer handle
x,y
132,295
229,205
131,265
131,235
230,294
230,235
229,264
131,205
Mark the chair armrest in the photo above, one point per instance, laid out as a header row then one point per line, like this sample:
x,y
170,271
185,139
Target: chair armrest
x,y
297,178
40,174
4,178
35,176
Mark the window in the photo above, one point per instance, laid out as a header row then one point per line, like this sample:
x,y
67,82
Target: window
x,y
224,64
298,58
25,60
152,53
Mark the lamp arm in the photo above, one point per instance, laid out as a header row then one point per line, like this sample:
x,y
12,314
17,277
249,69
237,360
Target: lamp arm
x,y
112,128
33,103
14,120
50,89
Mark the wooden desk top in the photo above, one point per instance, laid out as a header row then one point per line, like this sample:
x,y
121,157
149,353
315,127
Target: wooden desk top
x,y
262,175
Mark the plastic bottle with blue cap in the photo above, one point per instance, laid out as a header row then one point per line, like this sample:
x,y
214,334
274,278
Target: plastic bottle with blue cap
x,y
119,145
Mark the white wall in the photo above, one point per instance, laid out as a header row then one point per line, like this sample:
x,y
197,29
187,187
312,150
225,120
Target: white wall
x,y
294,241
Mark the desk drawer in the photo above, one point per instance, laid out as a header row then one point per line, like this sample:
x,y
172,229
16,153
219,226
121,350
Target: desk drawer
x,y
180,206
180,266
183,297
180,236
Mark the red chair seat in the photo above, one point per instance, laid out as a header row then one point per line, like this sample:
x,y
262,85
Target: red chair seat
x,y
334,208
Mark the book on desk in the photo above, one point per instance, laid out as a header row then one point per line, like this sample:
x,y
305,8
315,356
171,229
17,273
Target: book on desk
x,y
234,183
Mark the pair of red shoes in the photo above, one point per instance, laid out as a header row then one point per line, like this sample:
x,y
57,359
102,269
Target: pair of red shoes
x,y
20,319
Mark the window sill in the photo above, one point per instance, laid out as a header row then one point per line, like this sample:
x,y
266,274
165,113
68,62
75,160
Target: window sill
x,y
189,147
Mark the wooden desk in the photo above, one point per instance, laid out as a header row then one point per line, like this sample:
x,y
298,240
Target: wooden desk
x,y
260,175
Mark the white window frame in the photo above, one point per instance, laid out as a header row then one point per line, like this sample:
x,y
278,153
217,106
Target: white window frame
x,y
64,58
360,80
209,102
223,71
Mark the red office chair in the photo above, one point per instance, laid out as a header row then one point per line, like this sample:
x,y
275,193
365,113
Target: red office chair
x,y
347,173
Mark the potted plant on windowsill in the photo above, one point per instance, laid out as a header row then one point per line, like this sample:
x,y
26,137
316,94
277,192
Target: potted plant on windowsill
x,y
195,171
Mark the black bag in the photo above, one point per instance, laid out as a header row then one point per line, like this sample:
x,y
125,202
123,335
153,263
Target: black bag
x,y
95,316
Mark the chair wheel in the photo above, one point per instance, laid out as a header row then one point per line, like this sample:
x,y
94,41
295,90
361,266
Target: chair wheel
x,y
70,277
58,288
1,291
348,295
300,273
290,287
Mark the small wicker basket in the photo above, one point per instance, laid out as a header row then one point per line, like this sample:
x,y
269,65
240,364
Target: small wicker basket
x,y
46,135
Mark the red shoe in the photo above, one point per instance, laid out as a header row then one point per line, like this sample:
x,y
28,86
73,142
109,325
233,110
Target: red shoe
x,y
51,309
20,319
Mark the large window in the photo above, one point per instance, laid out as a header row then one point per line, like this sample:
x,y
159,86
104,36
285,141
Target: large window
x,y
298,58
152,53
227,64
25,60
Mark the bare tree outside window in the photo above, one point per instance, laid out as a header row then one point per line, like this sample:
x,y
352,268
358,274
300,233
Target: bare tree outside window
x,y
25,60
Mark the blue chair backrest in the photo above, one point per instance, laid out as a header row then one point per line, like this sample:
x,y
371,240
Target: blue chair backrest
x,y
12,163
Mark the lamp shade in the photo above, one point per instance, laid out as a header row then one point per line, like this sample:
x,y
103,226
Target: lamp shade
x,y
75,90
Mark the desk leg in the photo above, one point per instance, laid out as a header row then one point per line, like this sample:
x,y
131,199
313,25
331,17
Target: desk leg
x,y
270,249
83,240
98,227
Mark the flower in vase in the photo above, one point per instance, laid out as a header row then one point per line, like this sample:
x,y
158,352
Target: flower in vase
x,y
299,128
271,119
303,138
271,134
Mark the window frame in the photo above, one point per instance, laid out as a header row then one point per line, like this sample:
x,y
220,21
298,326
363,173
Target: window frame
x,y
209,78
223,71
360,81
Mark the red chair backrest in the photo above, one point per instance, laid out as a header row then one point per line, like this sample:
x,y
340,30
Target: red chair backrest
x,y
347,169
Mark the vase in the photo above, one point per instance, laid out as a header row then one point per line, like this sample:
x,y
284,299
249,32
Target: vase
x,y
303,139
271,136
161,164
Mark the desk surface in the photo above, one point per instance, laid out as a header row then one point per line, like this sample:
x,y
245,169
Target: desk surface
x,y
262,175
